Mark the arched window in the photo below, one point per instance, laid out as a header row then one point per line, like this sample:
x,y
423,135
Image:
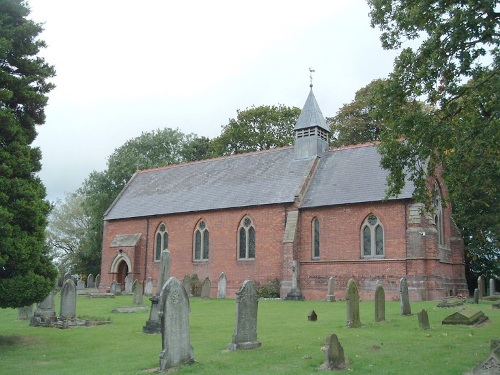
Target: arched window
x,y
201,241
372,237
161,240
246,239
438,214
315,238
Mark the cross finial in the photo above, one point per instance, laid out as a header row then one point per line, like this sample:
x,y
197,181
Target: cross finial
x,y
311,71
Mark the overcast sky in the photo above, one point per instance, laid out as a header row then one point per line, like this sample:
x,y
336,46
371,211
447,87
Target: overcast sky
x,y
126,67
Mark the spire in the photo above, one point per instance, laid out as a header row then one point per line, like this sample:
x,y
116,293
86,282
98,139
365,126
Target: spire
x,y
311,115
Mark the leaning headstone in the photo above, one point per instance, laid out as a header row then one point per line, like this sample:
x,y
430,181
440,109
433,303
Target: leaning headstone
x,y
481,286
25,313
90,281
221,287
174,313
98,280
492,286
148,289
129,281
352,300
205,288
330,295
80,285
491,365
404,296
138,298
379,303
467,316
334,354
476,295
423,320
68,300
186,282
245,330
312,317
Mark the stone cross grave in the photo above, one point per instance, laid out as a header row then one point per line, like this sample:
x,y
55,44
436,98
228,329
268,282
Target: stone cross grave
x,y
334,354
352,303
245,330
205,288
221,287
379,303
404,296
68,300
138,298
330,294
174,313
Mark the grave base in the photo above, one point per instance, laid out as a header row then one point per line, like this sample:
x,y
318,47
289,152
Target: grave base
x,y
244,345
294,295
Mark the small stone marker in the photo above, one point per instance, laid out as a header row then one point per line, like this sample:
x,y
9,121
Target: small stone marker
x,y
90,281
186,282
476,295
129,281
312,317
221,287
404,296
137,293
245,330
352,300
148,289
423,320
334,354
98,280
80,285
174,314
206,287
491,365
330,295
25,313
467,316
379,303
68,300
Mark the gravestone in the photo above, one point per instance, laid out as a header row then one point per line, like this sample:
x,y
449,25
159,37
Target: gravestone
x,y
98,280
312,317
138,298
423,320
80,285
245,330
491,365
334,354
164,273
174,314
221,287
476,295
68,300
352,303
379,303
467,316
116,288
481,286
129,281
492,286
404,296
148,290
295,294
25,313
90,281
205,288
450,302
330,294
186,282
45,310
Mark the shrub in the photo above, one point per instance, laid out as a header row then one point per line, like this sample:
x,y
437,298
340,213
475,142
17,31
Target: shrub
x,y
269,288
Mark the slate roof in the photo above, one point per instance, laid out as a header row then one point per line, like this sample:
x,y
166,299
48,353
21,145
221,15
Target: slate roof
x,y
350,175
253,179
311,115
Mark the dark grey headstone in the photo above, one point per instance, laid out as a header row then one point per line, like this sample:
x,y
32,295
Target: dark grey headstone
x,y
379,303
68,300
330,294
137,293
221,287
404,296
245,330
423,320
476,295
312,316
334,354
206,287
98,280
174,315
352,304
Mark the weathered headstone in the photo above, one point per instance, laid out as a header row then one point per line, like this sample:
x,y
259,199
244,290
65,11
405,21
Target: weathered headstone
x,y
45,310
206,287
245,330
379,303
129,281
423,320
138,298
476,295
25,313
90,281
404,296
80,285
491,365
174,313
330,294
352,304
148,290
295,294
481,286
116,288
334,354
98,280
492,286
186,282
467,316
221,287
68,300
164,273
312,316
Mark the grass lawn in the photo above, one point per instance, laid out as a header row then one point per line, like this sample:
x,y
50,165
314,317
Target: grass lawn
x,y
290,343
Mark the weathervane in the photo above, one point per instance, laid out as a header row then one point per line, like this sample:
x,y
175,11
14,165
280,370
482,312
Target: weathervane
x,y
311,71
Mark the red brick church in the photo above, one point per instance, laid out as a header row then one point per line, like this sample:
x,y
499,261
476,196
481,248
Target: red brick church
x,y
301,214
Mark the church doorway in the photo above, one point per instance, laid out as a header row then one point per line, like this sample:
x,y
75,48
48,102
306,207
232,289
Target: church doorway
x,y
122,271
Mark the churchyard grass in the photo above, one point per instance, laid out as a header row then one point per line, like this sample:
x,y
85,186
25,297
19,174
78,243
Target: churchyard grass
x,y
290,343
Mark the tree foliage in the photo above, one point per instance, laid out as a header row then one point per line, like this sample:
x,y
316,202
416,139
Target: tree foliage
x,y
456,70
26,272
257,128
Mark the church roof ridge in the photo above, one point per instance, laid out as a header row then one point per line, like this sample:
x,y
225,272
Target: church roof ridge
x,y
350,147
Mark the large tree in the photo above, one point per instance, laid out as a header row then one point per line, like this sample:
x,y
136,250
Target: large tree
x,y
454,66
26,272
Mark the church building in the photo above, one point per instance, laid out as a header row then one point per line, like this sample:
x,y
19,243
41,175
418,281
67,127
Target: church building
x,y
299,214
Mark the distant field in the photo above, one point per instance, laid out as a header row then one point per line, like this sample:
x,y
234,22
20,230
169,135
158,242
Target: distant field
x,y
290,343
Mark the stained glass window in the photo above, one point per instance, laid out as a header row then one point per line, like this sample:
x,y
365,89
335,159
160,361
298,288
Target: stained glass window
x,y
316,238
372,237
161,240
246,239
201,241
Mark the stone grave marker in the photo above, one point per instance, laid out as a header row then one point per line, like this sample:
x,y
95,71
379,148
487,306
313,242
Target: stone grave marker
x,y
404,297
379,303
98,280
245,330
116,288
221,287
491,365
492,286
481,286
423,320
129,281
312,317
45,311
450,302
206,288
186,282
25,312
174,313
148,289
138,298
352,303
80,285
67,276
467,316
334,354
153,324
476,295
68,300
90,281
330,294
